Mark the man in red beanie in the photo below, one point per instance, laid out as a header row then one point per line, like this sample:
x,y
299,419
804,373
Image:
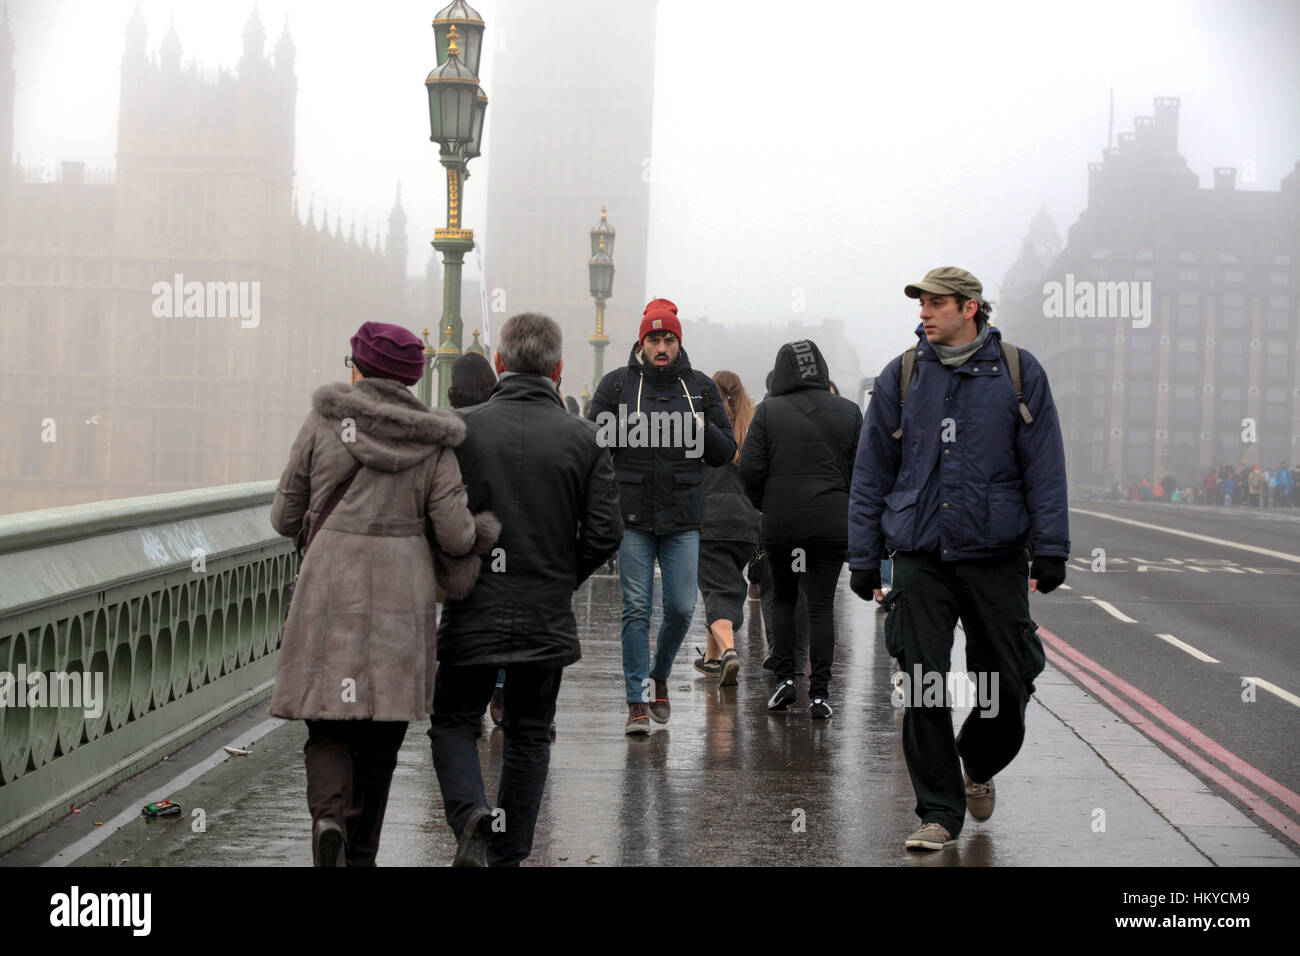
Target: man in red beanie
x,y
661,494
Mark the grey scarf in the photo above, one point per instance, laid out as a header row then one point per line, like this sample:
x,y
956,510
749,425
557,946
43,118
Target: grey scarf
x,y
954,355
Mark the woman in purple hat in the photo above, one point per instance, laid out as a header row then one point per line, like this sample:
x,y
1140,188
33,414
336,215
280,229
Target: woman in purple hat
x,y
357,656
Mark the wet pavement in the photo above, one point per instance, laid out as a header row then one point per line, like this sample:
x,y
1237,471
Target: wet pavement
x,y
724,783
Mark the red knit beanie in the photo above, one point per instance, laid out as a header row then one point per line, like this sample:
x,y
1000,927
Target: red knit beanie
x,y
660,316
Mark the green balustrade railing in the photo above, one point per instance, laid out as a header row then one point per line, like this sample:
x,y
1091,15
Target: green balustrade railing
x,y
172,603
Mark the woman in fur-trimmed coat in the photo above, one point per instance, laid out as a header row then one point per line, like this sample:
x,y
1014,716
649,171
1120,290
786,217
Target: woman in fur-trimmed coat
x,y
357,656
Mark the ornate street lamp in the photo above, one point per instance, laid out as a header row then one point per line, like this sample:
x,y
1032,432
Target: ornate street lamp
x,y
469,30
457,108
600,268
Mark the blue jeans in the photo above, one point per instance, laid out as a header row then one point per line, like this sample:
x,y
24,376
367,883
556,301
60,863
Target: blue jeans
x,y
886,573
679,559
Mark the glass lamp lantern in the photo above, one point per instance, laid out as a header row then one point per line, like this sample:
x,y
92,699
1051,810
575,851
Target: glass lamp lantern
x,y
467,23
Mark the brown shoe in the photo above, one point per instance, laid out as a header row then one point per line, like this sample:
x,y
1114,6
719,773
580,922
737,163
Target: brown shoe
x,y
979,798
496,707
932,836
659,706
638,719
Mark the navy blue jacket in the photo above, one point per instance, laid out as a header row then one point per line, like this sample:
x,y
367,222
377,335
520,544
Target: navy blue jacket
x,y
995,488
661,490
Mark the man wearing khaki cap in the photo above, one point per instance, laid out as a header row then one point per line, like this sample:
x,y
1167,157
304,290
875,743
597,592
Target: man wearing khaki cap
x,y
960,478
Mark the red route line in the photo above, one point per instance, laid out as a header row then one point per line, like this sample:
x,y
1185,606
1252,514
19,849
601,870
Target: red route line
x,y
1214,749
1258,805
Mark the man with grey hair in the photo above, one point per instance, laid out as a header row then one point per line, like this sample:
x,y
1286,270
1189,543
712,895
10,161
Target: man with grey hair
x,y
541,471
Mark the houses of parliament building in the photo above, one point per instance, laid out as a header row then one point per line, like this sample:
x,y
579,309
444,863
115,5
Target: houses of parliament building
x,y
109,389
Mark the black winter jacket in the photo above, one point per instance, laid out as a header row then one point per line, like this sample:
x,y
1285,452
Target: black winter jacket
x,y
661,489
729,515
787,468
540,470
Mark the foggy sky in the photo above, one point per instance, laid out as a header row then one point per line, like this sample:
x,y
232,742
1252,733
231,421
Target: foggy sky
x,y
841,153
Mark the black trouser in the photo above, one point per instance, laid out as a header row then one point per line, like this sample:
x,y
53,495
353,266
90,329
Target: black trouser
x,y
761,569
821,568
991,596
350,765
460,696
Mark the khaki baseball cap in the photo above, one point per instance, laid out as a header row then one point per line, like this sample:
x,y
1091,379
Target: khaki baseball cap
x,y
947,280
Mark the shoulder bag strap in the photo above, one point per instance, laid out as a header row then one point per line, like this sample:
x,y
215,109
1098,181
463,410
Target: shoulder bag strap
x,y
335,497
804,403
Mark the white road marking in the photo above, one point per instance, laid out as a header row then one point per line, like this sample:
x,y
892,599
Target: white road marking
x,y
1182,645
1281,555
1065,587
1286,695
1110,609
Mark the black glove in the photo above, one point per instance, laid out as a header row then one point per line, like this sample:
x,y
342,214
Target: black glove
x,y
1049,573
865,583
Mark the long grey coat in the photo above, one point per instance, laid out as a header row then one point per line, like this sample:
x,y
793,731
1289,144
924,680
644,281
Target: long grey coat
x,y
360,640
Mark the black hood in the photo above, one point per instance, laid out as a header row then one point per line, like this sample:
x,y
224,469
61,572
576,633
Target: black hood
x,y
800,365
653,373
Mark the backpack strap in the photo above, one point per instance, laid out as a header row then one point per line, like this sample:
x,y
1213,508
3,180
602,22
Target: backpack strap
x,y
1011,359
904,380
618,386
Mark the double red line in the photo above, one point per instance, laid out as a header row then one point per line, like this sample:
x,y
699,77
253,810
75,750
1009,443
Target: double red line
x,y
1092,675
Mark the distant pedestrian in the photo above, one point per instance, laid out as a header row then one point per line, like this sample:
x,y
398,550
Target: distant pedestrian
x,y
796,467
1255,487
728,539
370,463
1229,488
664,421
472,381
542,472
1285,485
960,474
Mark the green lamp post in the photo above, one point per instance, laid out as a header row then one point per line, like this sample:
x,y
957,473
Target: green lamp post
x,y
600,268
457,108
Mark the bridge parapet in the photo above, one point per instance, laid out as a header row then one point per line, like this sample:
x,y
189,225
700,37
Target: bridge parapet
x,y
150,619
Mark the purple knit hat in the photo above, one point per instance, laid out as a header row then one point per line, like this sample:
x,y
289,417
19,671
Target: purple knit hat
x,y
389,351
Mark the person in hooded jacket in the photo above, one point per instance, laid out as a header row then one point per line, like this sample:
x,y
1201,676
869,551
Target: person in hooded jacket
x,y
358,648
796,467
659,466
727,543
